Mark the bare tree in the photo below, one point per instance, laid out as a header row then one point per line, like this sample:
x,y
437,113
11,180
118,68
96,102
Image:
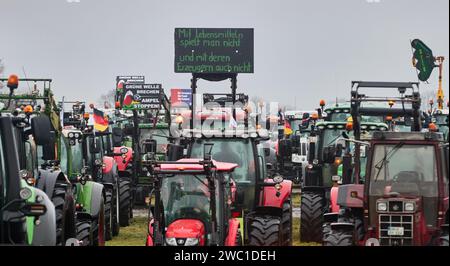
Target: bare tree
x,y
107,99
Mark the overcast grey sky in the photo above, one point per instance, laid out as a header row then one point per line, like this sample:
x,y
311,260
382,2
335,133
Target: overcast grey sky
x,y
305,50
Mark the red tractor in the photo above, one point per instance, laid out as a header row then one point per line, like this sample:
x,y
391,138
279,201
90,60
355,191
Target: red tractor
x,y
404,201
193,200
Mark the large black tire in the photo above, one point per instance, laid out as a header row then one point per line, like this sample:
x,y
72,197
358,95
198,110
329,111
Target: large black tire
x,y
108,215
84,232
339,238
125,203
286,223
359,229
326,230
98,227
64,213
265,231
311,217
115,226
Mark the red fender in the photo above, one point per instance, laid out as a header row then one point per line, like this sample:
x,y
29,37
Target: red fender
x,y
269,197
333,199
233,229
108,163
120,160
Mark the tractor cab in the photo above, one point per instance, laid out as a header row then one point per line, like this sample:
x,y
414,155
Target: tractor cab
x,y
194,209
407,188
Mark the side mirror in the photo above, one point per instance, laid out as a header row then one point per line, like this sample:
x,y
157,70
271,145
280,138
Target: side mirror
x,y
40,129
339,149
285,148
117,136
128,130
149,146
329,154
240,196
33,209
174,152
49,152
95,145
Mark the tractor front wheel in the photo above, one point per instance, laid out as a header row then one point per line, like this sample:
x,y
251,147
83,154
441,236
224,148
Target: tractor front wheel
x,y
339,238
84,232
125,203
108,215
286,223
265,231
64,212
311,217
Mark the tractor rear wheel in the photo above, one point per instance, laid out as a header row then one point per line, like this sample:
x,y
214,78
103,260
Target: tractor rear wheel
x,y
311,217
286,223
265,231
339,238
125,203
108,215
84,232
64,213
98,227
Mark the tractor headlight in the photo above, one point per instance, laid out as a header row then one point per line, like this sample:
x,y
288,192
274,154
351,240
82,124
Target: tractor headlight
x,y
171,241
409,206
382,206
25,193
191,242
71,135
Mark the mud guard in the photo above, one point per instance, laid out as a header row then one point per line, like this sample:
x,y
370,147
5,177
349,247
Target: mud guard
x,y
334,192
345,198
110,173
274,198
44,234
343,226
47,180
90,196
233,229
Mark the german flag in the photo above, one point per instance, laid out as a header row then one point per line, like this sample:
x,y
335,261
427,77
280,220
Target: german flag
x,y
101,122
287,128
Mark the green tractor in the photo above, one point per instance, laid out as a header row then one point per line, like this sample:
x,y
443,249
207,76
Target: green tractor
x,y
321,174
27,214
42,157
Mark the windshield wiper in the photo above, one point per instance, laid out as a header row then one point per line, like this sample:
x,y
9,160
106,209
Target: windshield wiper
x,y
380,165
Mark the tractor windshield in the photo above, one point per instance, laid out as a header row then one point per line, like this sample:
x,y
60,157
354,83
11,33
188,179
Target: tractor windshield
x,y
409,168
77,158
238,151
160,135
185,197
406,171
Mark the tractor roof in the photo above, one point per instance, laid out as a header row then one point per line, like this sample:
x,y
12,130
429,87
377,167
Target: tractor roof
x,y
408,136
226,134
197,166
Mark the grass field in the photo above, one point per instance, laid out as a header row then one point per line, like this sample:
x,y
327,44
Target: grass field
x,y
136,233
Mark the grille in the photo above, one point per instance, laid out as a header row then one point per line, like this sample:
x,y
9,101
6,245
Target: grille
x,y
387,221
396,206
